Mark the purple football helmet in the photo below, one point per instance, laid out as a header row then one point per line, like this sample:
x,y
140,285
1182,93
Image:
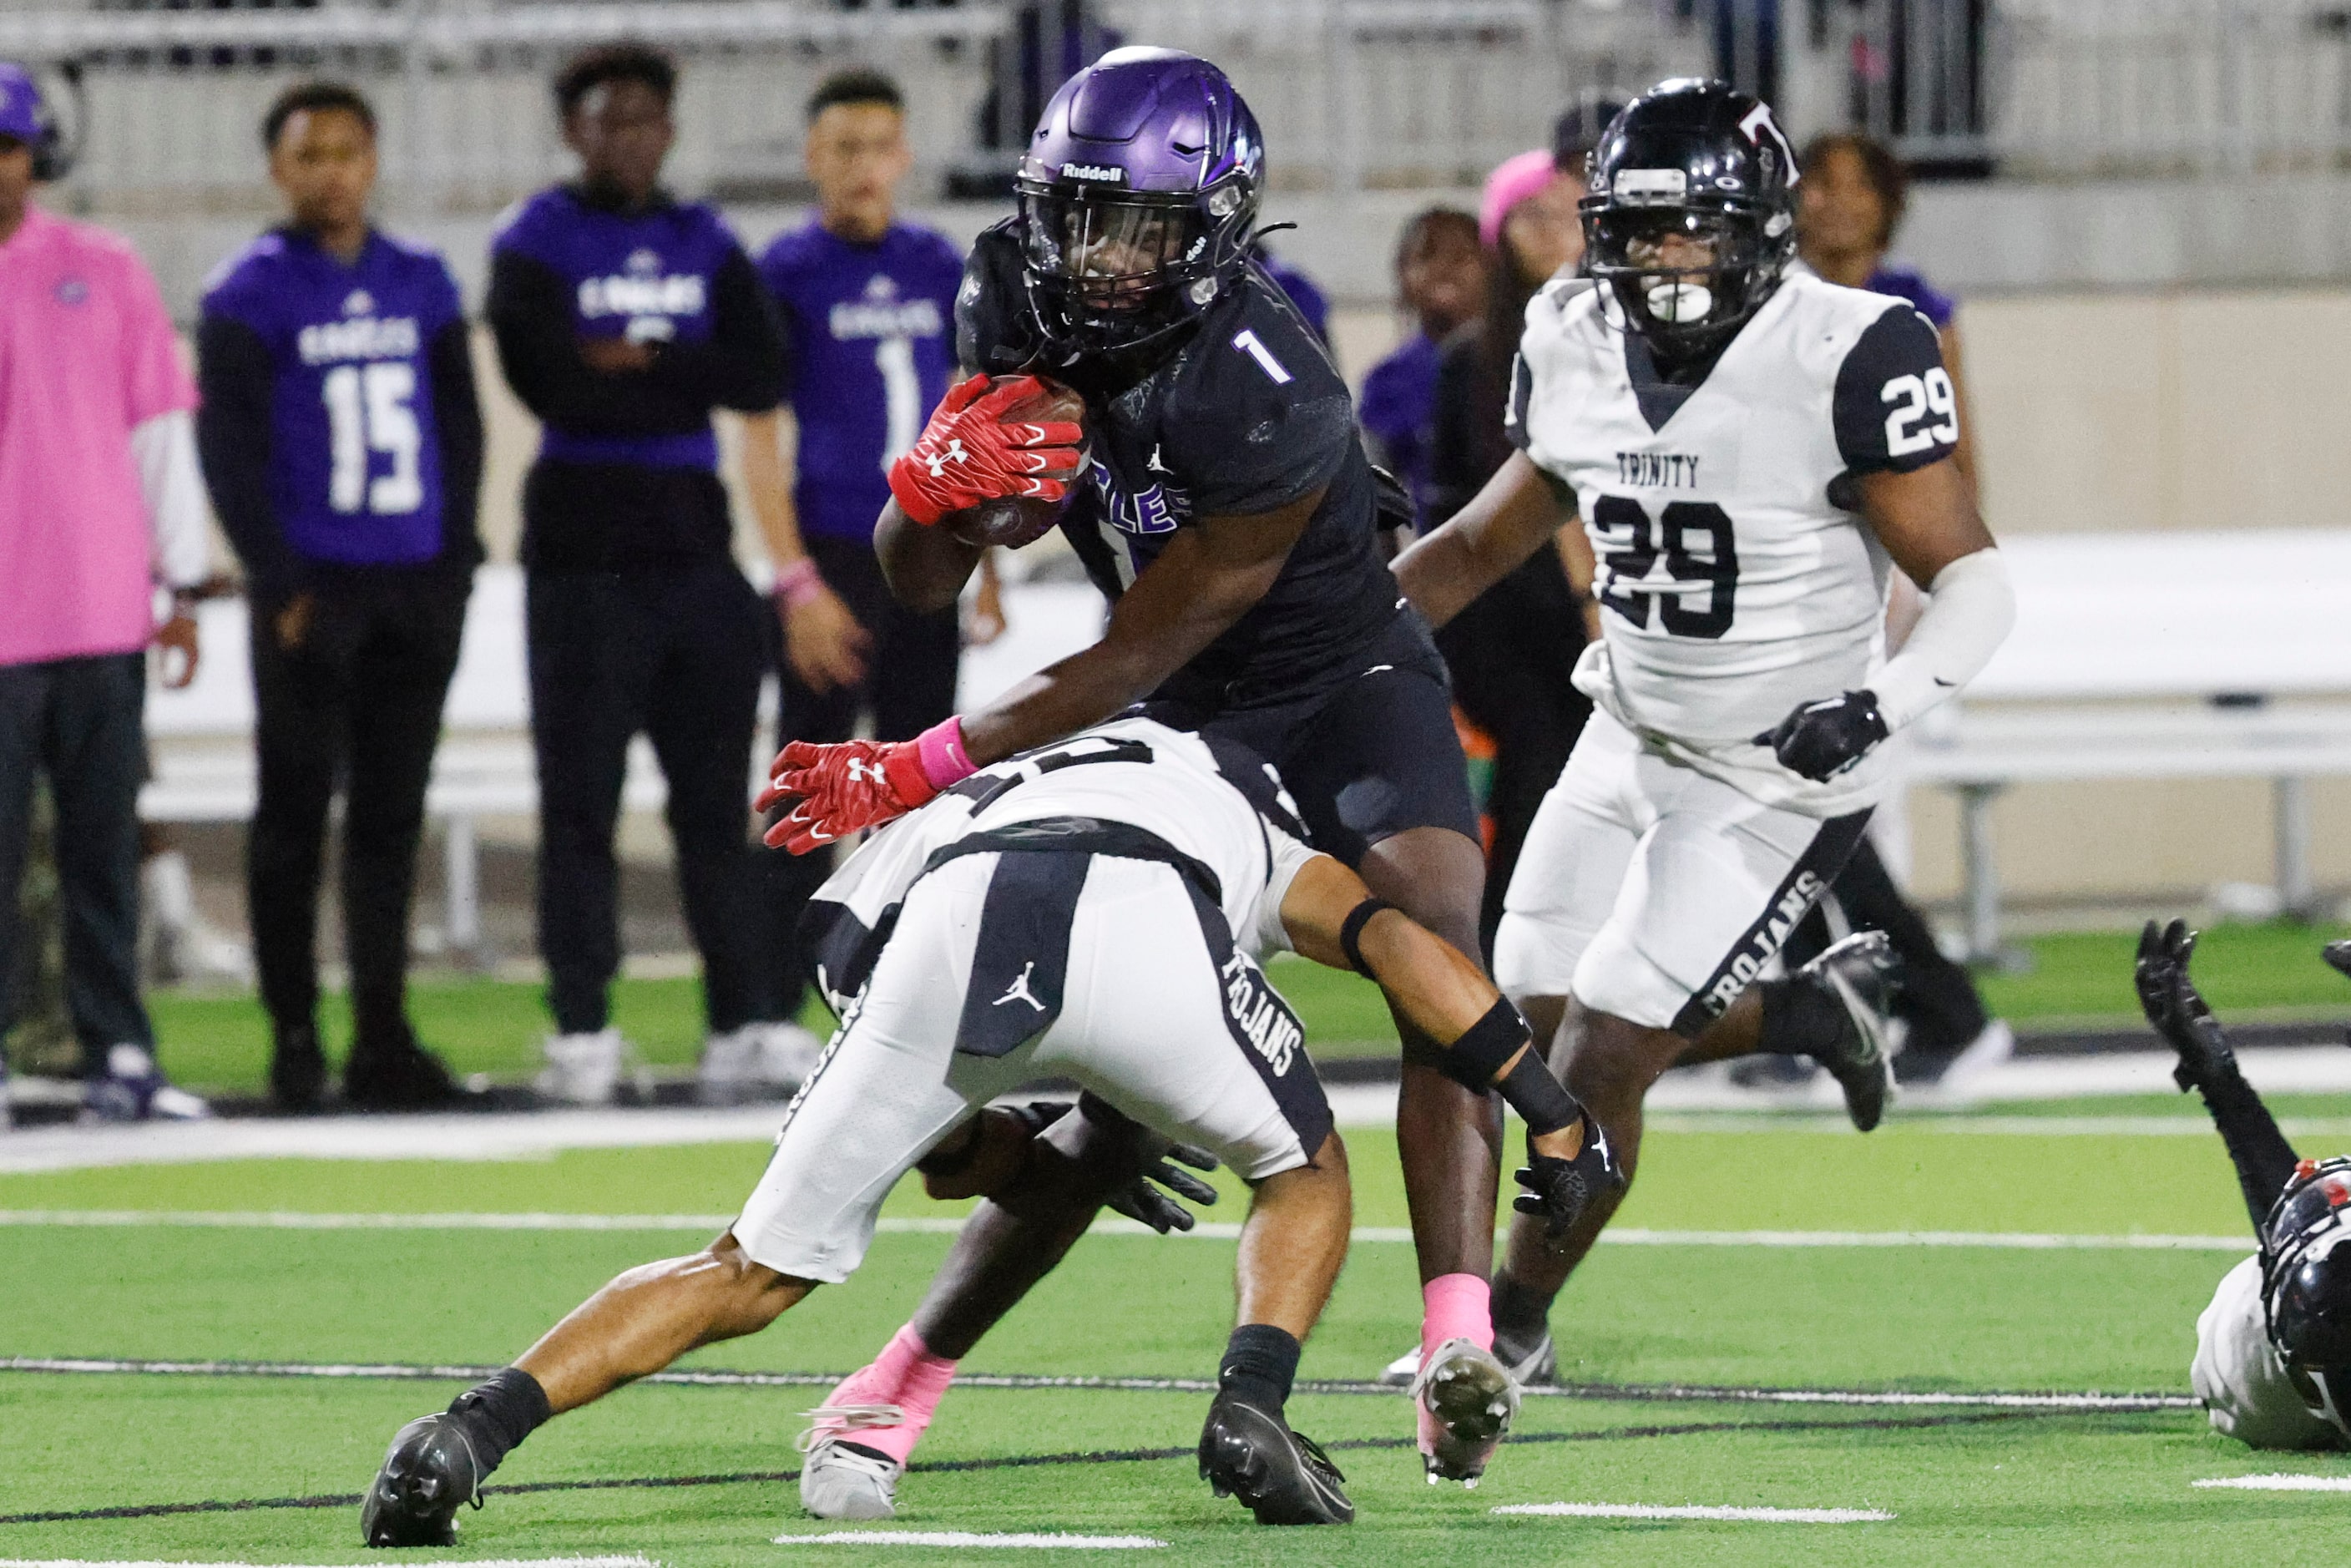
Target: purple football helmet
x,y
1138,198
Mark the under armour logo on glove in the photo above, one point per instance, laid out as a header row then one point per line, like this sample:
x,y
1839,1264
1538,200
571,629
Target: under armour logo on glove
x,y
1822,739
967,454
840,790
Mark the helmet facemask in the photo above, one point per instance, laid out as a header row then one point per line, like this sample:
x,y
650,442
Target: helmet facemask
x,y
1110,268
1685,277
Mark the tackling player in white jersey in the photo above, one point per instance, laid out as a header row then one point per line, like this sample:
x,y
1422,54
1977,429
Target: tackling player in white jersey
x,y
1747,448
1091,911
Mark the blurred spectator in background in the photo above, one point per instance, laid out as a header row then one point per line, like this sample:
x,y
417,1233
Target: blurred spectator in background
x,y
99,498
866,304
342,442
1850,203
1441,284
624,317
1511,651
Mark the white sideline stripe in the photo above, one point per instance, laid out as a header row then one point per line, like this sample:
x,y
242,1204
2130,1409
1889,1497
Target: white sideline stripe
x,y
1207,1230
1654,1511
2281,1483
1684,1392
484,1562
1026,1543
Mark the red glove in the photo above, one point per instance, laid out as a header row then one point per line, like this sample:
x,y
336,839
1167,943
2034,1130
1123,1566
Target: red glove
x,y
848,787
966,456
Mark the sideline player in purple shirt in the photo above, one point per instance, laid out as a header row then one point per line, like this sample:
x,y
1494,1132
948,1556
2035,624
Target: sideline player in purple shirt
x,y
342,443
866,304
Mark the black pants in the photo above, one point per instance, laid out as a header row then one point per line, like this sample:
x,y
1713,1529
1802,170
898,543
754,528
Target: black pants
x,y
79,721
348,682
677,652
1512,652
1937,1000
909,685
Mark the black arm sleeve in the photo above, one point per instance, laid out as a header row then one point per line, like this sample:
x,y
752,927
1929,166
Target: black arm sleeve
x,y
741,364
2264,1160
529,312
457,418
236,380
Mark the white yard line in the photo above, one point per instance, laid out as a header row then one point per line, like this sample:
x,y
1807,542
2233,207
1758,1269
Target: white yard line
x,y
484,1562
1207,1230
2287,1482
1743,1515
1025,1542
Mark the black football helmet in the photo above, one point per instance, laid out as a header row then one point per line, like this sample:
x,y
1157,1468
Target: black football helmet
x,y
2306,1285
1696,160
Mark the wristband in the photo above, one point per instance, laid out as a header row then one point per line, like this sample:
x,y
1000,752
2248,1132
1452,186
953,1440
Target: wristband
x,y
945,760
1538,1097
798,582
1351,935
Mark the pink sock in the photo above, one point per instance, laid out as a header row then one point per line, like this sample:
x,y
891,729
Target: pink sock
x,y
1457,1306
905,1375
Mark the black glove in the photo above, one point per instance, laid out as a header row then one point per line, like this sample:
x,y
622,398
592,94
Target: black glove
x,y
1822,739
2175,1006
1559,1191
2338,955
1154,1207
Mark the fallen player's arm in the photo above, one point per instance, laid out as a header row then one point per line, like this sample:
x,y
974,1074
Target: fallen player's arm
x,y
1927,519
1516,514
1208,577
1332,919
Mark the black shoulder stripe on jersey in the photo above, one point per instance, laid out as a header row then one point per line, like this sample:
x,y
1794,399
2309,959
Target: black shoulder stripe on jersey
x,y
1514,415
1895,408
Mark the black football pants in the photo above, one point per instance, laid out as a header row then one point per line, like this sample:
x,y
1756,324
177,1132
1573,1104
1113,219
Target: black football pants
x,y
909,685
677,652
354,700
79,721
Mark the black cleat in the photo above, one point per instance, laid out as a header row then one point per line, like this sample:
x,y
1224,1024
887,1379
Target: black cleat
x,y
397,1074
2339,956
1532,1360
298,1073
429,1473
1858,972
1279,1475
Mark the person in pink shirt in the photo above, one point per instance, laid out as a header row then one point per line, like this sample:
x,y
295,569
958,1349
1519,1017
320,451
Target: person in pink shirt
x,y
100,498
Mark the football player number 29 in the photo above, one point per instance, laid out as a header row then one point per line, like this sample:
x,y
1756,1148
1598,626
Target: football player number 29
x,y
1926,412
368,412
1700,555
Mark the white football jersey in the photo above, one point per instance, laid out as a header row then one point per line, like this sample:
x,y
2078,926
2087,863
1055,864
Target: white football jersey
x,y
1736,580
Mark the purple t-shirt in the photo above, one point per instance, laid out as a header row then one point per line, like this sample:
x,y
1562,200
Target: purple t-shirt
x,y
869,345
1908,283
1398,409
354,442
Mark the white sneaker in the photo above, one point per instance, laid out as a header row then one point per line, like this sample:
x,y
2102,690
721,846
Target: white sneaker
x,y
135,1090
1403,1370
1989,1049
841,1482
757,1062
582,1069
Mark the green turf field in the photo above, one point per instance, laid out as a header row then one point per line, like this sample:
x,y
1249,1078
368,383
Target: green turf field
x,y
221,1042
2010,1485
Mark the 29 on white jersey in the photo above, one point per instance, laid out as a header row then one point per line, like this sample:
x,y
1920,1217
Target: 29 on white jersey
x,y
1736,578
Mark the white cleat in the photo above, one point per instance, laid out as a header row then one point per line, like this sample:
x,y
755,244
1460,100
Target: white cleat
x,y
1401,1372
1470,1399
582,1069
842,1481
757,1062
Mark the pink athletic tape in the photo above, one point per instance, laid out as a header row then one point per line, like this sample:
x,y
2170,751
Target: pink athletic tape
x,y
1457,1306
905,1375
945,761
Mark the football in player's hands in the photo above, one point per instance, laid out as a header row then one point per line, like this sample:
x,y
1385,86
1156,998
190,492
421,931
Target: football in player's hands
x,y
1012,521
1822,739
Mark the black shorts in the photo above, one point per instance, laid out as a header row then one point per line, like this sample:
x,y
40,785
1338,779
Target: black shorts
x,y
1365,758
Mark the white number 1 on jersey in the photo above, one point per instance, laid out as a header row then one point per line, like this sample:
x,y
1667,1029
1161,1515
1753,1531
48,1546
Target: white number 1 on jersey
x,y
367,410
1245,342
